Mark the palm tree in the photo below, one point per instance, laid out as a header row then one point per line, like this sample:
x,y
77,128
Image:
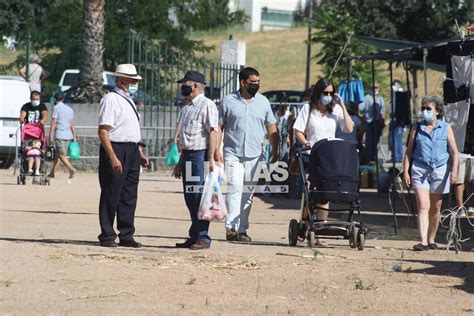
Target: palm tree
x,y
90,79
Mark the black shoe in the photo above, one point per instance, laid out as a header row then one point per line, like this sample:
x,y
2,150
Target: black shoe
x,y
243,237
421,247
433,246
108,243
200,245
130,243
231,235
187,244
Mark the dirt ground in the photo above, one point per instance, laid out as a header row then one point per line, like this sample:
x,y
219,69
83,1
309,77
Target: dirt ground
x,y
51,264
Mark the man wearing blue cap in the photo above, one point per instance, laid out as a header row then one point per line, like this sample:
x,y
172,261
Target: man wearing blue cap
x,y
197,141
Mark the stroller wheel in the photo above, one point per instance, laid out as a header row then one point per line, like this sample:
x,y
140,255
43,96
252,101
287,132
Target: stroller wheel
x,y
311,239
360,240
353,238
293,232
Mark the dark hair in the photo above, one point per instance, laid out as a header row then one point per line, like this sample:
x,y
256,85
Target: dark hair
x,y
437,101
58,96
34,92
318,89
353,108
246,72
396,81
307,93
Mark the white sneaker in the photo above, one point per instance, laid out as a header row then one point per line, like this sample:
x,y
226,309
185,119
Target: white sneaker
x,y
37,173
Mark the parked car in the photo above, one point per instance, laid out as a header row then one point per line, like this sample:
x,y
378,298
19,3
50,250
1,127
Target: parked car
x,y
70,77
14,92
276,97
291,96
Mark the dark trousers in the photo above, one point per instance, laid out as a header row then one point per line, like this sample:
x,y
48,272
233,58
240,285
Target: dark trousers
x,y
118,194
193,165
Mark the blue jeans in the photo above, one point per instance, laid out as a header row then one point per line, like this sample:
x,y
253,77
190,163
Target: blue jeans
x,y
193,166
397,147
372,140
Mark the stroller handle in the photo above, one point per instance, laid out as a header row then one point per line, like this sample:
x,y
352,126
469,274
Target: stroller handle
x,y
302,148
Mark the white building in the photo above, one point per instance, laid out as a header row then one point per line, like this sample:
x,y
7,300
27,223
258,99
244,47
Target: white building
x,y
267,14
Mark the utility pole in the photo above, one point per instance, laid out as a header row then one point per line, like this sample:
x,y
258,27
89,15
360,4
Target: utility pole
x,y
308,45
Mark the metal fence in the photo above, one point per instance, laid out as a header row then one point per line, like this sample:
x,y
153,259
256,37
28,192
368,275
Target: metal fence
x,y
160,66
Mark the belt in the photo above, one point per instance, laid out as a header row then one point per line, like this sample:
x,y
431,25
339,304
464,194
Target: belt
x,y
193,151
131,144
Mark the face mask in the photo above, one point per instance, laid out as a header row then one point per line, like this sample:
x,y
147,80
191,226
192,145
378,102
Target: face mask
x,y
186,90
253,88
394,88
35,102
325,99
428,116
377,92
132,88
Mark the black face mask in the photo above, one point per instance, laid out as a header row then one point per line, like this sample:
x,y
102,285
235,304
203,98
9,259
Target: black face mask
x,y
186,90
253,88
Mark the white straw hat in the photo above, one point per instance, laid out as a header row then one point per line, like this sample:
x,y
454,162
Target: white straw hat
x,y
127,71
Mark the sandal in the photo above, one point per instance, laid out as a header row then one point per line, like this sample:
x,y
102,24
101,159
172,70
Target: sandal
x,y
420,247
320,244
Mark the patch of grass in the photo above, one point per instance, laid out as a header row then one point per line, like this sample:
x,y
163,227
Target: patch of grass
x,y
359,285
280,57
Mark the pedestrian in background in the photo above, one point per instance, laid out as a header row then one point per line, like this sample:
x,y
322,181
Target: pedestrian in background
x,y
396,129
36,73
374,114
61,132
120,156
245,118
34,111
197,139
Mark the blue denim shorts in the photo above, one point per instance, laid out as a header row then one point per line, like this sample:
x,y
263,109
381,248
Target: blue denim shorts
x,y
434,180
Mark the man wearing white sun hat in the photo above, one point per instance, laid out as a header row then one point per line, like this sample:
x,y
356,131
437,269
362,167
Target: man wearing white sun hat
x,y
121,154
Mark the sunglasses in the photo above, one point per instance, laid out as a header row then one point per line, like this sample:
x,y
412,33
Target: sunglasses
x,y
427,108
331,93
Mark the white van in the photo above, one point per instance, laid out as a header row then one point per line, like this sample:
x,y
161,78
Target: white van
x,y
14,92
71,76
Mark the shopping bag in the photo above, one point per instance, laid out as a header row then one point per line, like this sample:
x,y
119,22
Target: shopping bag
x,y
212,206
172,158
74,150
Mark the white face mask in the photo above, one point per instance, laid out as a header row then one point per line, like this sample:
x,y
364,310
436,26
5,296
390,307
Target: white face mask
x,y
35,102
132,88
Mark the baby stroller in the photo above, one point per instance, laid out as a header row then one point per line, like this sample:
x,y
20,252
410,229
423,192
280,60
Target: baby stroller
x,y
333,177
31,132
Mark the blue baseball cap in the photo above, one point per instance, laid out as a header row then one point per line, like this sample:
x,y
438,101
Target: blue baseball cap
x,y
193,76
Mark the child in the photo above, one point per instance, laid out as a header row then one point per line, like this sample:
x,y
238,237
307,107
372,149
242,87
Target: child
x,y
33,155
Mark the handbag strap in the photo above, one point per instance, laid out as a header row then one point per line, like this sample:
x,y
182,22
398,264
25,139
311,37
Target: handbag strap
x,y
131,104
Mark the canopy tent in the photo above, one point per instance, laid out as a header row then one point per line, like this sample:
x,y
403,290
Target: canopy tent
x,y
435,55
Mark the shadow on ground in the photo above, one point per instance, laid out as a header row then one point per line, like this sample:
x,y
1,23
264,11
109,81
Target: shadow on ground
x,y
457,269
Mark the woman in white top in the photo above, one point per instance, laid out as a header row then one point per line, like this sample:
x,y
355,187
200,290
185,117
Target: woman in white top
x,y
325,111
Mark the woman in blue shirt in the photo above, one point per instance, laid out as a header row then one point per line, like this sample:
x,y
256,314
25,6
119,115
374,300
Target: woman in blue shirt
x,y
430,145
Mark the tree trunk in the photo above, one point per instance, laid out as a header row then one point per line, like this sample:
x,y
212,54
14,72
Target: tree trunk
x,y
90,79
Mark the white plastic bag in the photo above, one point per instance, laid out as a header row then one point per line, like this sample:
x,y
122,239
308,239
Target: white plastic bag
x,y
212,206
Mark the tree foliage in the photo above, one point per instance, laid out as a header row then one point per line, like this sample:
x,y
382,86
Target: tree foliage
x,y
56,26
412,20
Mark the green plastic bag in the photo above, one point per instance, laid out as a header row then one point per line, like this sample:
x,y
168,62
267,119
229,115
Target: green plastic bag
x,y
172,158
74,150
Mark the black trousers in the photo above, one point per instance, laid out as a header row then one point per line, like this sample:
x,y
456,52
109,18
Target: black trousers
x,y
118,194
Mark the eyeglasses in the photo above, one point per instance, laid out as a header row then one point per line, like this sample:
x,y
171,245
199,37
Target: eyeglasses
x,y
331,93
427,108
